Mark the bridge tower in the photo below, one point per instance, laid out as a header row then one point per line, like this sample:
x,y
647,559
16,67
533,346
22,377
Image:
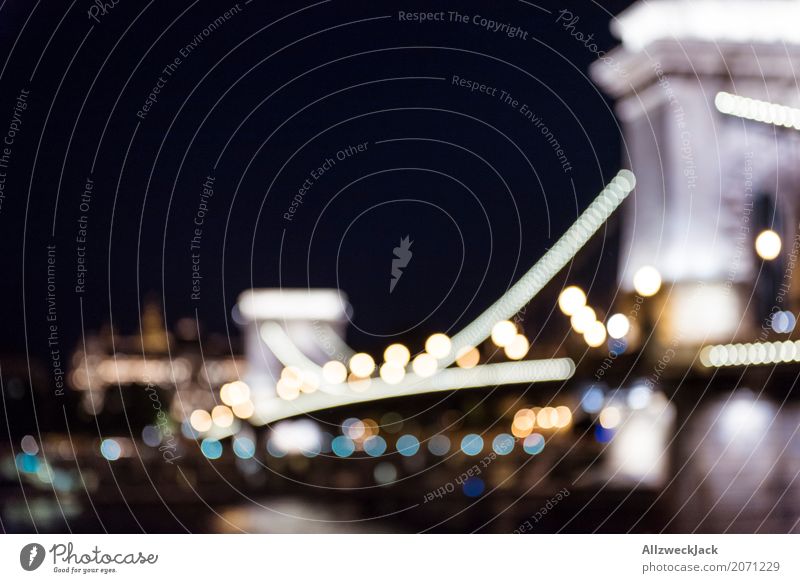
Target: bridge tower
x,y
708,182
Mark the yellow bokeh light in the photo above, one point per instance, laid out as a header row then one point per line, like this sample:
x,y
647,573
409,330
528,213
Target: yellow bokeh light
x,y
547,418
244,410
524,422
438,345
392,372
200,420
564,416
768,244
288,389
370,427
517,431
334,372
518,348
362,364
222,416
571,299
647,281
424,365
234,393
468,357
397,353
610,417
503,333
582,319
595,334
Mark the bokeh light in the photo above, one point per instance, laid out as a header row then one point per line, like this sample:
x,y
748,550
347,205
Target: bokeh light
x,y
244,410
503,444
243,447
438,345
407,445
524,422
582,319
533,444
375,446
222,416
288,388
571,299
110,449
503,333
234,393
595,334
385,473
618,326
768,245
647,281
468,357
439,445
392,372
200,420
397,353
424,365
211,448
334,372
610,417
518,348
472,444
342,446
362,364
28,445
473,487
592,400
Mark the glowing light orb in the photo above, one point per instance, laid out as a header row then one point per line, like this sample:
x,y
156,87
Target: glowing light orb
x,y
438,345
397,353
618,326
424,365
768,245
518,348
334,372
571,299
362,364
582,319
503,333
647,281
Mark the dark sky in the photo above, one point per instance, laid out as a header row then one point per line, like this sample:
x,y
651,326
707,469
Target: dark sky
x,y
260,103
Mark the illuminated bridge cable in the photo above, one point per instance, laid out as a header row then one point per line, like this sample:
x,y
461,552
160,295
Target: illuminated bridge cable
x,y
530,371
758,110
547,267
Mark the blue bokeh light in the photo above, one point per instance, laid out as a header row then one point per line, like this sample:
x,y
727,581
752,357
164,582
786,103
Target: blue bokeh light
x,y
472,444
375,446
211,448
533,444
503,444
110,449
343,446
244,447
407,445
473,487
602,434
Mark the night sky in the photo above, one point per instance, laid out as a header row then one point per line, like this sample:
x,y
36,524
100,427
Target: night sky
x,y
259,104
